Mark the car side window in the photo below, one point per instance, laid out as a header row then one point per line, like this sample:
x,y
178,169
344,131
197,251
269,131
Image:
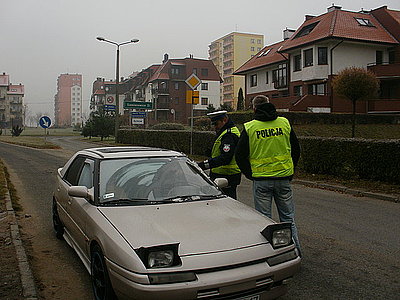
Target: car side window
x,y
86,177
74,170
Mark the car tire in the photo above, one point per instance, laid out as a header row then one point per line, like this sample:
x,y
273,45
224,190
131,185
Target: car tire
x,y
57,224
101,284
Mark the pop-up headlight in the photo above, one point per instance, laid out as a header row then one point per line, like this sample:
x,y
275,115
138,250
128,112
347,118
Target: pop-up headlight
x,y
279,235
163,256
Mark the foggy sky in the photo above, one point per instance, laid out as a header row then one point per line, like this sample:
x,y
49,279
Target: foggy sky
x,y
41,39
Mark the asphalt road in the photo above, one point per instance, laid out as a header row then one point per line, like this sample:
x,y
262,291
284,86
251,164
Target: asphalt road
x,y
351,245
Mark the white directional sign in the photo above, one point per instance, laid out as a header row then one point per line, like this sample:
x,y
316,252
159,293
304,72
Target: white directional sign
x,y
137,121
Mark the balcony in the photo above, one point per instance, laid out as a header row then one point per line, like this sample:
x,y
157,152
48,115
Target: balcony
x,y
385,70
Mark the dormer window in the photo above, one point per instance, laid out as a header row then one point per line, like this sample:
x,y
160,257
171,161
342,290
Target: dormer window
x,y
306,30
364,22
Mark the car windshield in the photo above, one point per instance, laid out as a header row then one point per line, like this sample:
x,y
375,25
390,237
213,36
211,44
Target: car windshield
x,y
145,181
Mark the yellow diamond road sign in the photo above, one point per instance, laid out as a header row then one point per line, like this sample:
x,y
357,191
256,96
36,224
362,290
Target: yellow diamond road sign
x,y
193,81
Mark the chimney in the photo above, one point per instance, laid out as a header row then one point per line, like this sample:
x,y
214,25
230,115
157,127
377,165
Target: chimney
x,y
287,33
165,58
309,17
334,7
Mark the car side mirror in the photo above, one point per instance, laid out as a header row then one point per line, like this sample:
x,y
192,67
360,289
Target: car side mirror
x,y
80,192
221,182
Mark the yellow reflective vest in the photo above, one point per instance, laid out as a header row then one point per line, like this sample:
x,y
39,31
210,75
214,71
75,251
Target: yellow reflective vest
x,y
232,167
270,151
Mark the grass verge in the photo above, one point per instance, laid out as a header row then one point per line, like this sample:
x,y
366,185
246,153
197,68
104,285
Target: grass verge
x,y
29,141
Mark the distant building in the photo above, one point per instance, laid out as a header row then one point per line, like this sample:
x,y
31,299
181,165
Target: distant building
x,y
68,100
297,73
11,103
228,53
163,85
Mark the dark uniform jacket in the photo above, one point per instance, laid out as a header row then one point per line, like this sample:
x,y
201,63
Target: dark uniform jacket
x,y
227,149
265,112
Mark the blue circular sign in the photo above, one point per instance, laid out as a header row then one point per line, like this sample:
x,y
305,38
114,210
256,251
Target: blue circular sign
x,y
45,122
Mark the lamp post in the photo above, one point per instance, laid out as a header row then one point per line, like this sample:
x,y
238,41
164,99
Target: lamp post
x,y
101,39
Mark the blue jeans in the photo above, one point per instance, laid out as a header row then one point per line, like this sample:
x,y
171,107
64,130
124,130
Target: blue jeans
x,y
281,191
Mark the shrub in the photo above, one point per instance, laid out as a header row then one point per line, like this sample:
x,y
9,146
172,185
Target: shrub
x,y
203,124
16,130
168,126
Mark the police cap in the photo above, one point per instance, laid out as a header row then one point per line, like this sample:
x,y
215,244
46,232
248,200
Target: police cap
x,y
217,115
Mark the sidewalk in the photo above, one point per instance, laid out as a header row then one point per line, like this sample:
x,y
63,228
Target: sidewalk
x,y
16,280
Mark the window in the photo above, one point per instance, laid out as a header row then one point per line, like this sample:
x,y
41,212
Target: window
x,y
204,72
204,86
252,48
253,80
308,57
204,101
174,71
176,85
279,76
322,55
297,62
392,56
364,22
258,41
306,30
195,71
73,172
252,41
379,57
298,90
266,77
316,89
86,177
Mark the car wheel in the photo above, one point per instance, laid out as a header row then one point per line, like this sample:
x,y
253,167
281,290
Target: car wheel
x,y
58,226
101,283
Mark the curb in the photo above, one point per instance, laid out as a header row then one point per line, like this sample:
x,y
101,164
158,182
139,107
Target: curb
x,y
28,283
346,190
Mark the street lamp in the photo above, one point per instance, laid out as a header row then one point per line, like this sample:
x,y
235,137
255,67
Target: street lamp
x,y
101,39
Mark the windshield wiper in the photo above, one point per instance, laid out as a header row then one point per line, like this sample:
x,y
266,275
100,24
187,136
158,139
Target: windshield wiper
x,y
187,198
123,201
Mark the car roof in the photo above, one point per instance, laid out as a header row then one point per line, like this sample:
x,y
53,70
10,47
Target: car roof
x,y
128,152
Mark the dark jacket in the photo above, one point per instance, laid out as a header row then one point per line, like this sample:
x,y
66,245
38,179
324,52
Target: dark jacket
x,y
227,150
266,112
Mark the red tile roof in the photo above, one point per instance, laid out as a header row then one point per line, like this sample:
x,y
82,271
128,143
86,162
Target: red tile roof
x,y
267,56
341,24
16,89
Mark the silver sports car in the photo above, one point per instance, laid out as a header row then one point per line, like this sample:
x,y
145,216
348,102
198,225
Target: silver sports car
x,y
149,224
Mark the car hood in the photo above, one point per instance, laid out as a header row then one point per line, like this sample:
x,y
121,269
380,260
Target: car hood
x,y
198,227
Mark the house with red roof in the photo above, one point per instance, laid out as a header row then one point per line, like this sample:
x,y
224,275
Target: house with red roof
x,y
297,72
163,85
11,102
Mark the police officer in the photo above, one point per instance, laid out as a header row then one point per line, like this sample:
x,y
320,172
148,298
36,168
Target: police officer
x,y
267,153
222,162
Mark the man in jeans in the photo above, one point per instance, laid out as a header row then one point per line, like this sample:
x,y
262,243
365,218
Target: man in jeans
x,y
267,153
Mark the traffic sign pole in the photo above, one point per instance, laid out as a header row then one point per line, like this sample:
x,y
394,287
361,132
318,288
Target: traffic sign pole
x,y
193,82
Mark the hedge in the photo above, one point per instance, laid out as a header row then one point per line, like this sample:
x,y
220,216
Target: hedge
x,y
351,158
301,118
177,140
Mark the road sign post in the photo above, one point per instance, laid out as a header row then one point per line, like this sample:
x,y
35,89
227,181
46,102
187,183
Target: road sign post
x,y
193,82
45,122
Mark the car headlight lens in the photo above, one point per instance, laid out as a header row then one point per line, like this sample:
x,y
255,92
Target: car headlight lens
x,y
279,235
161,259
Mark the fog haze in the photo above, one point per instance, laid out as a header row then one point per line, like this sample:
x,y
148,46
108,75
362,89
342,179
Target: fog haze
x,y
41,39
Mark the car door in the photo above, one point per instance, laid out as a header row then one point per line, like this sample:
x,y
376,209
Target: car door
x,y
78,207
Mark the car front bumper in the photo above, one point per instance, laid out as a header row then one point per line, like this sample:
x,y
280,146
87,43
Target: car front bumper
x,y
257,279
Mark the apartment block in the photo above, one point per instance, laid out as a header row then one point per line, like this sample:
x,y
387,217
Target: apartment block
x,y
11,103
68,100
228,53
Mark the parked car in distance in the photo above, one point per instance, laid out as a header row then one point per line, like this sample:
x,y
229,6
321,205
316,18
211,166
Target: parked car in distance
x,y
147,223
